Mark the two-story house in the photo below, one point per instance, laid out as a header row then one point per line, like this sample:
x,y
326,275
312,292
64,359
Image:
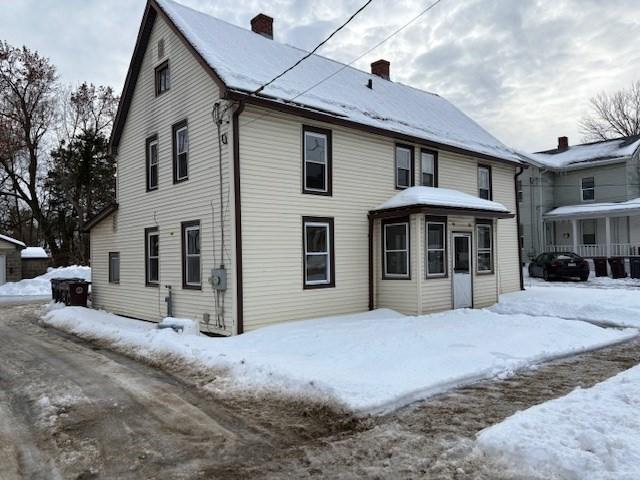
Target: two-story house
x,y
584,198
331,190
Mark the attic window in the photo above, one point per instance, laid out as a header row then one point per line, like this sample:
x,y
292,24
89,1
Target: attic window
x,y
162,78
160,48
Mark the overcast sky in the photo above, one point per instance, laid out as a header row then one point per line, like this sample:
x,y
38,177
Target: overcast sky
x,y
524,69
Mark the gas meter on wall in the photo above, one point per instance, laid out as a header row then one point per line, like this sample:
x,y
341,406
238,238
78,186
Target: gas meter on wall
x,y
218,278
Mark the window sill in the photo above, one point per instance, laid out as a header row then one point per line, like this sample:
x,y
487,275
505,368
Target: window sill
x,y
154,285
435,277
113,283
180,180
152,189
387,277
314,192
488,272
318,285
191,287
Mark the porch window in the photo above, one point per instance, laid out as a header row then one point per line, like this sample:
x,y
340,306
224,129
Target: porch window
x,y
484,246
436,246
316,161
318,252
180,152
404,166
589,232
429,168
396,249
484,182
152,257
588,189
191,255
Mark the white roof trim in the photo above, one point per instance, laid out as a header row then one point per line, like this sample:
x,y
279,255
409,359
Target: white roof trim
x,y
12,240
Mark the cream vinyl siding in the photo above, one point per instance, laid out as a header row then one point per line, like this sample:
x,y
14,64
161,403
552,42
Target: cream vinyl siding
x,y
191,96
507,230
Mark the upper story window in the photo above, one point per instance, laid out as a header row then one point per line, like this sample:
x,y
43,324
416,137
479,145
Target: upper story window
x,y
436,245
152,256
484,246
191,255
404,166
316,161
588,189
484,182
395,242
428,168
180,152
318,252
162,78
152,162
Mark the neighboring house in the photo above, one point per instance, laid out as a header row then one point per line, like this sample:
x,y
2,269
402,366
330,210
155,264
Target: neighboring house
x,y
10,263
242,208
584,198
35,262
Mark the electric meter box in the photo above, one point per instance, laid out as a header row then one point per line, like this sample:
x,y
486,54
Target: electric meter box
x,y
218,278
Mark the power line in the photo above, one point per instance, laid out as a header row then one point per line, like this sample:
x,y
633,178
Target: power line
x,y
262,87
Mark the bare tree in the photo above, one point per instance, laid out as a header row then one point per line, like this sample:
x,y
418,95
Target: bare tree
x,y
613,115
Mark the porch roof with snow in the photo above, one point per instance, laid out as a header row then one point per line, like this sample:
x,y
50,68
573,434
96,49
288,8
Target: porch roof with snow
x,y
439,201
12,240
241,61
595,210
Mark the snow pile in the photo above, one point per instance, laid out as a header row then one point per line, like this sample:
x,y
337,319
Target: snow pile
x,y
245,61
33,252
41,286
186,326
600,306
370,362
592,433
441,197
589,152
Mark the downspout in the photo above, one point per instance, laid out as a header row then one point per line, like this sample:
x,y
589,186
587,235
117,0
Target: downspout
x,y
371,303
515,184
238,217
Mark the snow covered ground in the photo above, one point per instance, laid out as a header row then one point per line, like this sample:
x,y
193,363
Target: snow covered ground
x,y
369,362
41,286
590,433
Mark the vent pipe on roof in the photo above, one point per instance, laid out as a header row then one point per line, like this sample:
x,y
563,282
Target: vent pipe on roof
x,y
381,68
263,25
563,143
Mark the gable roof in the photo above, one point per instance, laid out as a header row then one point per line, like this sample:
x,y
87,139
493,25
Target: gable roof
x,y
588,154
98,217
12,240
240,61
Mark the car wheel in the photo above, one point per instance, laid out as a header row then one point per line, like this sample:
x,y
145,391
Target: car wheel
x,y
545,275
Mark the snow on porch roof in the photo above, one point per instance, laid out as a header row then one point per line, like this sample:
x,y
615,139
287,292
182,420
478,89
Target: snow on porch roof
x,y
245,60
595,210
442,198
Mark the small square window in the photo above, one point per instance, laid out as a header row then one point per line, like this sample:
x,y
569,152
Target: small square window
x,y
162,78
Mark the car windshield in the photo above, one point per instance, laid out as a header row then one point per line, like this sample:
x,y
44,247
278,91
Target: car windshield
x,y
566,256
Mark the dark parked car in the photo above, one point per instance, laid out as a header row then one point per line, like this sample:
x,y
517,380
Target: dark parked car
x,y
550,265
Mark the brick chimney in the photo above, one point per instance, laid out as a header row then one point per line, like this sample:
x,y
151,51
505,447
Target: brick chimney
x,y
262,24
563,143
381,68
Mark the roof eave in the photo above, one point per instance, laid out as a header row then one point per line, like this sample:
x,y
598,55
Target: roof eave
x,y
100,216
438,210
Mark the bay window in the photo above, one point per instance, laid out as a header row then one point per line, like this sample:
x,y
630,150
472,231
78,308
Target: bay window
x,y
484,246
395,243
436,246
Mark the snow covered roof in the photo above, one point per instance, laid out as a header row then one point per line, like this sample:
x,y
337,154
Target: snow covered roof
x,y
244,60
588,153
595,209
442,198
34,252
12,240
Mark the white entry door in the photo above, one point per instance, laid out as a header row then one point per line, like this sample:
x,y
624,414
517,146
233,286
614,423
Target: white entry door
x,y
462,287
3,269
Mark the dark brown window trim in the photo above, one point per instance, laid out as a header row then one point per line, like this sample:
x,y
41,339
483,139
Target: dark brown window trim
x,y
435,165
111,280
174,144
388,221
488,167
412,166
147,283
148,142
329,166
431,218
184,226
484,221
332,253
156,73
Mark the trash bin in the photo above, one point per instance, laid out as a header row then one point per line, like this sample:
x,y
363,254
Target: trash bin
x,y
634,264
600,266
77,293
55,289
617,267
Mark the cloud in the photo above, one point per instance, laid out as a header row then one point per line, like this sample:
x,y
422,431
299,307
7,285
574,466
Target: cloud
x,y
524,69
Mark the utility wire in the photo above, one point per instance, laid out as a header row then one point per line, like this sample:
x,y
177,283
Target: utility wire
x,y
262,87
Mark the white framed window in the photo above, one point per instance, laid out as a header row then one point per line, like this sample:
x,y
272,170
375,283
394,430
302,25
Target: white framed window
x,y
484,246
180,152
436,255
152,163
152,256
404,166
395,242
484,182
318,252
428,168
588,189
191,269
316,161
